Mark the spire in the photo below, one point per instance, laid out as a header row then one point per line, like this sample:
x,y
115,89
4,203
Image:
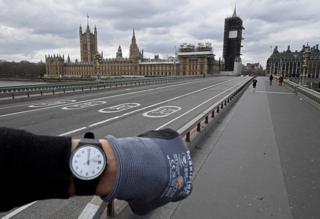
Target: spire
x,y
235,11
80,29
133,36
95,29
88,28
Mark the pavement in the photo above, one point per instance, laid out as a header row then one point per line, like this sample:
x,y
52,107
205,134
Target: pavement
x,y
261,161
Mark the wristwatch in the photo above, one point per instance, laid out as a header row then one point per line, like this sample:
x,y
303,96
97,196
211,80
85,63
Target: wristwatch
x,y
87,163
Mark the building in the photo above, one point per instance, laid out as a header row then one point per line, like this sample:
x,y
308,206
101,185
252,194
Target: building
x,y
88,44
233,27
304,63
190,60
253,69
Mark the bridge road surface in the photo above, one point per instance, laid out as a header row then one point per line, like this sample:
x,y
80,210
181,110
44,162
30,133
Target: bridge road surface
x,y
262,161
120,112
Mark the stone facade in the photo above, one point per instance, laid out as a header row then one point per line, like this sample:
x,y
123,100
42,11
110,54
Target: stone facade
x,y
190,60
88,44
305,62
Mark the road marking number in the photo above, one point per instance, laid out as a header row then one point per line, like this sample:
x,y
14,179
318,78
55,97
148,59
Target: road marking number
x,y
119,108
162,111
53,103
83,105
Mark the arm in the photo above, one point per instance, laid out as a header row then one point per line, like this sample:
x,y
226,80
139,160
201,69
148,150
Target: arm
x,y
36,167
147,171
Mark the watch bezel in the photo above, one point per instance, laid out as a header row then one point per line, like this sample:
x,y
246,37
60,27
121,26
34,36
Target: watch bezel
x,y
75,174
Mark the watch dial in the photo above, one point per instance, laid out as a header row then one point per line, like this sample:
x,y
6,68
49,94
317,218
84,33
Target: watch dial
x,y
88,162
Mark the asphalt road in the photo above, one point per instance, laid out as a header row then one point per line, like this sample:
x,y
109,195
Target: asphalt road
x,y
119,112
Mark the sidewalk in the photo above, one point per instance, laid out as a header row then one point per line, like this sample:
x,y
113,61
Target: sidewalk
x,y
264,164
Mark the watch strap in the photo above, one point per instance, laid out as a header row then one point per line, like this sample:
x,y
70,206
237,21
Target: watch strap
x,y
84,187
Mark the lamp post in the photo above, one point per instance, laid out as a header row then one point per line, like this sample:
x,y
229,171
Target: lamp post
x,y
305,66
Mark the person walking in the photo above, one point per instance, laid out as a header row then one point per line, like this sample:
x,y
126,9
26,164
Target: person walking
x,y
271,78
254,83
280,80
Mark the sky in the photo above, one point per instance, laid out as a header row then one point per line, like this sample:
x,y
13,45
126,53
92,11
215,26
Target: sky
x,y
31,29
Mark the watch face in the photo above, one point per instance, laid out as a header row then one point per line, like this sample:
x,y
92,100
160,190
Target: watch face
x,y
88,162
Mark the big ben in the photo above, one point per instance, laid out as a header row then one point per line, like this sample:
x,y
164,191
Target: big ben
x,y
233,27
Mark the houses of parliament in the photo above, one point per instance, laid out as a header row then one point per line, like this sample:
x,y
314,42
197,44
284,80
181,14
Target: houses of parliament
x,y
190,60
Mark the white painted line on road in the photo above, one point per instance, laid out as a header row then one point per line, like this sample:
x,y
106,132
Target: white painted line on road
x,y
14,106
162,111
53,103
119,108
73,131
138,110
162,126
274,92
78,106
117,95
156,104
18,210
104,121
91,209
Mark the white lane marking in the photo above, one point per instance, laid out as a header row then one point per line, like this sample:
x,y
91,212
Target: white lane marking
x,y
89,211
117,95
15,106
153,105
83,105
104,121
119,108
178,117
73,131
18,210
53,103
274,92
162,111
132,112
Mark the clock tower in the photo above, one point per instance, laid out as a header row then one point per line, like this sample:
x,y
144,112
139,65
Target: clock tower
x,y
233,27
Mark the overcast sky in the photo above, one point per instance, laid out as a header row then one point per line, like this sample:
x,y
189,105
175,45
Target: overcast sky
x,y
30,29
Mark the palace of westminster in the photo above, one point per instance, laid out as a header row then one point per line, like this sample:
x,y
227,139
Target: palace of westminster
x,y
190,60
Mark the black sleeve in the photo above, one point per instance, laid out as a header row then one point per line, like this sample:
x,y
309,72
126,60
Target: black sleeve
x,y
32,167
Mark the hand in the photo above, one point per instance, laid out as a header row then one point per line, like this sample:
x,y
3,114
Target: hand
x,y
154,169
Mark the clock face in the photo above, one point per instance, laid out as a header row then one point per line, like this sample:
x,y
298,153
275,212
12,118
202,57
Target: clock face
x,y
88,162
233,34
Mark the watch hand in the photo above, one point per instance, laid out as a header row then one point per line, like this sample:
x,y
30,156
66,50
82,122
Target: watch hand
x,y
88,161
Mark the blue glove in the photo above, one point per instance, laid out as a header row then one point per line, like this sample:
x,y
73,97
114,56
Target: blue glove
x,y
154,169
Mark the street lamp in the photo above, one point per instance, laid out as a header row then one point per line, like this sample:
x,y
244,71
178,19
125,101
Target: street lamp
x,y
306,57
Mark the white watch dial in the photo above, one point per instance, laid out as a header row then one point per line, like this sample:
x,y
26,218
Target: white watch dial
x,y
88,162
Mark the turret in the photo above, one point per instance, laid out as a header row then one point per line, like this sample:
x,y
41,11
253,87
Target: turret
x,y
119,52
288,50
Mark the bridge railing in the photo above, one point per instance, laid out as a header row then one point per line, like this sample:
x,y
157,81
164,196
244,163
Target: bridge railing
x,y
60,88
311,94
191,132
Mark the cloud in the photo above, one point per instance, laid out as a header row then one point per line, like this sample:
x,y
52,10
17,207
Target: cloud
x,y
30,29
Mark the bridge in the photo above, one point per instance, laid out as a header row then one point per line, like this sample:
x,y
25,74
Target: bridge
x,y
255,151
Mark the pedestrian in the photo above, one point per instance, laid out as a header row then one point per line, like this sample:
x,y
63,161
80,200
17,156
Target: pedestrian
x,y
271,78
280,80
147,171
254,82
